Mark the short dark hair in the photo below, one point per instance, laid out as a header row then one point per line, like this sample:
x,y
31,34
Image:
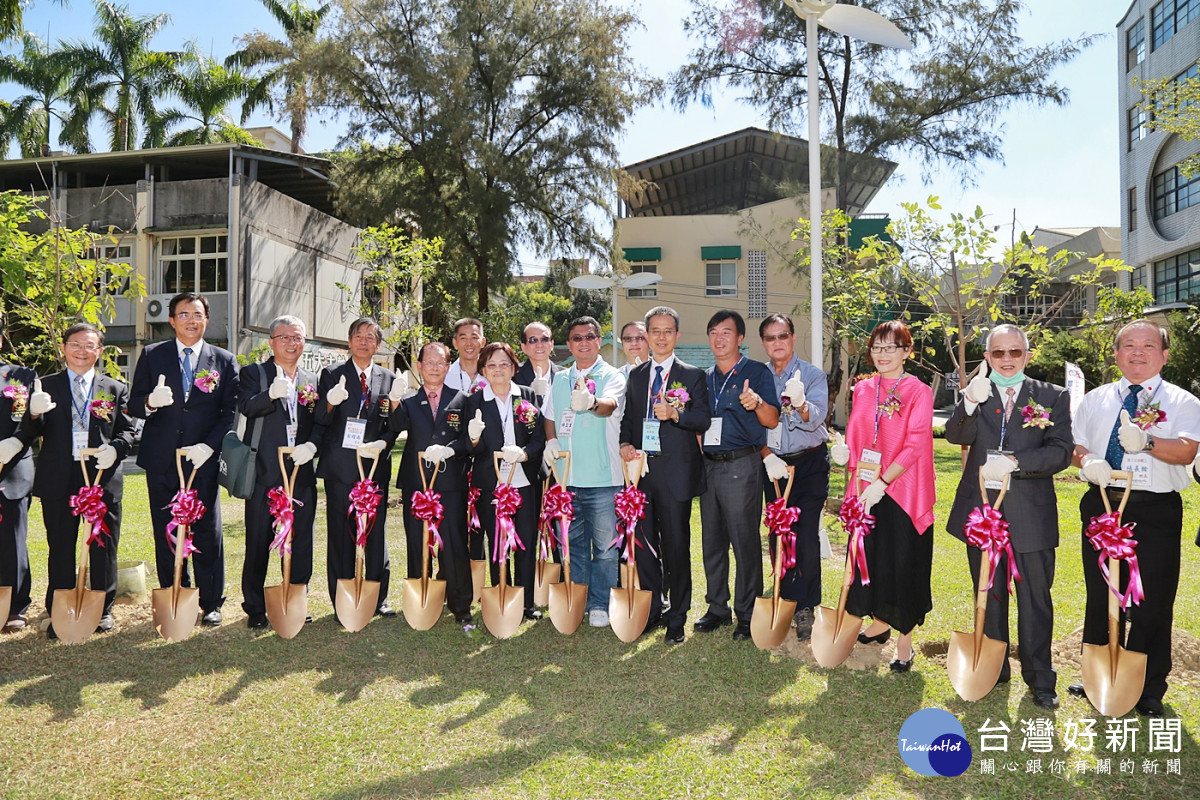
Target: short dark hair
x,y
662,311
82,326
579,322
626,326
492,347
725,314
365,322
187,297
782,319
892,330
464,322
427,345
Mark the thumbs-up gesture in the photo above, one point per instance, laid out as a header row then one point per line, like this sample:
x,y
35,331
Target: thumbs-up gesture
x,y
399,390
338,394
839,453
39,401
540,385
794,389
279,387
749,398
1133,439
581,398
161,394
980,387
475,427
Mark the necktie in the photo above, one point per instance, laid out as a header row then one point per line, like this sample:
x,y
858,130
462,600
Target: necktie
x,y
433,404
1115,453
366,393
189,374
656,387
80,403
1010,402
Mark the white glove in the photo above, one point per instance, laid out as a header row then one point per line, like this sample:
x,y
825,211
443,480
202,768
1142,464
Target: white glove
x,y
198,454
475,427
1095,469
638,468
1133,439
437,453
551,453
337,394
9,449
540,385
304,453
39,401
776,467
794,389
279,387
581,400
995,469
839,453
979,388
162,395
872,494
106,457
372,449
400,390
512,454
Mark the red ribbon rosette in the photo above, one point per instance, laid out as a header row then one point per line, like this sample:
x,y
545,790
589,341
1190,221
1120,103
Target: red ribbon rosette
x,y
427,507
473,523
857,523
986,529
506,499
779,519
279,504
631,507
89,504
186,509
364,501
558,503
1114,540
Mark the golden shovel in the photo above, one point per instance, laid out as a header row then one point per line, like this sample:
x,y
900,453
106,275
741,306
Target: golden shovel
x,y
175,608
423,598
503,606
1113,677
975,659
5,603
545,573
287,605
772,616
76,612
629,604
567,600
355,599
835,632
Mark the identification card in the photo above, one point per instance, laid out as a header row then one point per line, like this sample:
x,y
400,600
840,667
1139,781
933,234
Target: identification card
x,y
505,470
775,437
568,423
291,434
1139,465
712,436
868,465
356,431
79,440
650,440
995,455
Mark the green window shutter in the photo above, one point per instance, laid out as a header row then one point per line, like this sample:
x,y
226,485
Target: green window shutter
x,y
726,253
643,254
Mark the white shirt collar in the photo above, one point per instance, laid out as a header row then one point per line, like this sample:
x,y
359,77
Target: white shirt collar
x,y
1149,385
196,348
666,365
88,376
489,395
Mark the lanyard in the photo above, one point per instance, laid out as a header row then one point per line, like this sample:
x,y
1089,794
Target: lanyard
x,y
293,395
505,404
1004,418
81,412
717,401
878,407
652,401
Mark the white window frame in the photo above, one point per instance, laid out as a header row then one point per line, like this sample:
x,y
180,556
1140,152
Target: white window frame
x,y
724,288
646,291
197,257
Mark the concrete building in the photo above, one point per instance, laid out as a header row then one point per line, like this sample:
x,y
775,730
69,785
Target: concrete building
x,y
1082,244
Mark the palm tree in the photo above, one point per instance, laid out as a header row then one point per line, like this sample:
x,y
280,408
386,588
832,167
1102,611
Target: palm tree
x,y
27,119
284,60
120,77
206,88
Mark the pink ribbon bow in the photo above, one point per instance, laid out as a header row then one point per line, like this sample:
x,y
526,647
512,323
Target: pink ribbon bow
x,y
473,523
558,503
279,505
986,529
427,507
1114,540
857,523
364,501
631,507
506,499
89,504
779,519
186,509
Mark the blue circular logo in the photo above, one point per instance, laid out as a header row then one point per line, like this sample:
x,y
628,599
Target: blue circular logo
x,y
933,742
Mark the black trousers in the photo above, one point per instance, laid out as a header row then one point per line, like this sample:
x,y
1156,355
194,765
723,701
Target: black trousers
x,y
260,532
14,552
667,528
209,560
62,532
810,489
1159,518
454,566
730,515
342,529
526,522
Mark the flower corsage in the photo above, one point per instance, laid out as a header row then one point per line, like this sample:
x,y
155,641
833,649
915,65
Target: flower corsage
x,y
103,405
891,405
19,394
307,395
677,396
207,380
1148,416
526,412
1036,415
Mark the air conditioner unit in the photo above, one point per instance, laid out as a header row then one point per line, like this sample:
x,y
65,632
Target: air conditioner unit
x,y
157,307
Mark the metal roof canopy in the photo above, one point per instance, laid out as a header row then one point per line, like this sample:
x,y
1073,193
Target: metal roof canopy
x,y
303,177
746,168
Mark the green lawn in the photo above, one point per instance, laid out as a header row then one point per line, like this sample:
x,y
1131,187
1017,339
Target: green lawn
x,y
391,712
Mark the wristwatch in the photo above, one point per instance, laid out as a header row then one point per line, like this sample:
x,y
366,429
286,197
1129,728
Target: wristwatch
x,y
1149,448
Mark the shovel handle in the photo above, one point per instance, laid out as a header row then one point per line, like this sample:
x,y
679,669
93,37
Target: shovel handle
x,y
289,482
1003,490
787,492
561,479
180,452
358,460
1118,475
639,458
426,485
84,455
497,457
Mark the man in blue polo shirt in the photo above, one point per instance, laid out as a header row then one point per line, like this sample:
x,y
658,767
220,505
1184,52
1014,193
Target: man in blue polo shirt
x,y
744,405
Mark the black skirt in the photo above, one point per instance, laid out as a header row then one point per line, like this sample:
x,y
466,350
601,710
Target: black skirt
x,y
899,562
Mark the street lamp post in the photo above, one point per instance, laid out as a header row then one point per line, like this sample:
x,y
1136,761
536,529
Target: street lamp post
x,y
637,280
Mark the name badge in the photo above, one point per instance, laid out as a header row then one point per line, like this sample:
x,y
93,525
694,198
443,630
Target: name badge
x,y
868,465
291,434
775,437
650,441
993,456
355,433
568,423
1139,465
79,441
712,436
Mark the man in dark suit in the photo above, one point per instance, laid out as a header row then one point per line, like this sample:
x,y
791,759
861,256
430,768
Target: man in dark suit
x,y
72,410
186,390
675,463
284,410
538,371
16,480
353,407
433,417
990,418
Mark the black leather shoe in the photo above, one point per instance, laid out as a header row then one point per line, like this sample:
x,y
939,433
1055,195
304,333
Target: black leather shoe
x,y
674,635
308,619
463,618
257,621
803,620
654,624
1076,689
16,622
106,624
533,614
211,619
897,665
1044,698
385,610
880,639
50,634
1005,677
1150,707
742,632
710,622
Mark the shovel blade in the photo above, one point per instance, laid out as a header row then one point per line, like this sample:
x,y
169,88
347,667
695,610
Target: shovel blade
x,y
75,623
174,621
5,603
503,609
1113,696
832,642
567,601
355,609
628,619
771,622
973,678
547,574
286,613
478,580
423,609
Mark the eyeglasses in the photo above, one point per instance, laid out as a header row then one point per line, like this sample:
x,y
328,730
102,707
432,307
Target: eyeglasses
x,y
289,339
538,340
185,316
584,337
886,348
660,332
632,339
499,365
1012,352
435,364
82,347
776,337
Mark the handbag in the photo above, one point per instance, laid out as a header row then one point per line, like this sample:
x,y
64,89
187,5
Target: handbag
x,y
237,470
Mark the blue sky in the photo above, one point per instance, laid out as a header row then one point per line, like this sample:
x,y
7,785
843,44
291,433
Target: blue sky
x,y
1060,167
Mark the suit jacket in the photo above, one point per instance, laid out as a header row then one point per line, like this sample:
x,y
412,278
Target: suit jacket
x,y
339,462
58,475
16,477
444,425
1030,507
678,439
524,376
204,418
529,436
259,409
